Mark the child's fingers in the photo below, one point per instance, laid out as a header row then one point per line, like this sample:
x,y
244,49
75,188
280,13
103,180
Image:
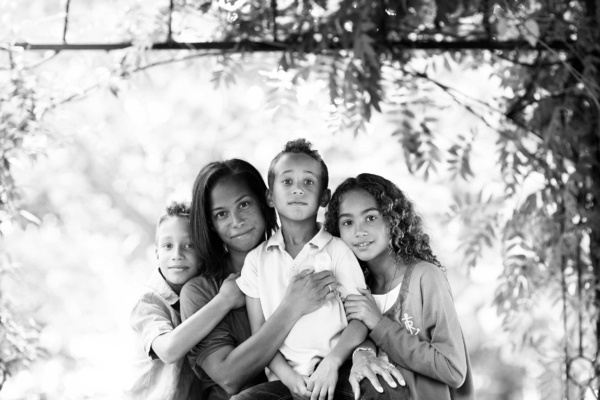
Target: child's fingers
x,y
330,393
355,386
316,392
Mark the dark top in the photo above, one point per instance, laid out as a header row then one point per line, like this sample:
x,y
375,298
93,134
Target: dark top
x,y
231,331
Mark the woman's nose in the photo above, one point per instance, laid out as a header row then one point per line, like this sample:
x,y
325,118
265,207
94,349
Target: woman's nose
x,y
177,252
237,219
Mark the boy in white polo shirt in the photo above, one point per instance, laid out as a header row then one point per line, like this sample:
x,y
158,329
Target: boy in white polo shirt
x,y
320,342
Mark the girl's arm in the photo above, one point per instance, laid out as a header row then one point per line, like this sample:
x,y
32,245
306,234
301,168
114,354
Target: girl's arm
x,y
445,357
173,345
231,367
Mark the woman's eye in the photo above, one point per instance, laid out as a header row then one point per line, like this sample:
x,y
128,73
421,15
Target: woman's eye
x,y
287,181
244,204
167,246
188,246
309,182
371,218
219,215
346,222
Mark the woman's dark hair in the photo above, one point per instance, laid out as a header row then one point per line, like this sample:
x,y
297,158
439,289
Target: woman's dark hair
x,y
408,242
205,239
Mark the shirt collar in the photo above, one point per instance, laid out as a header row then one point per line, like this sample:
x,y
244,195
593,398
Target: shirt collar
x,y
158,284
319,240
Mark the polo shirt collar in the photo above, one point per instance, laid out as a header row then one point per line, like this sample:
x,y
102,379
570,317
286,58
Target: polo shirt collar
x,y
319,240
158,284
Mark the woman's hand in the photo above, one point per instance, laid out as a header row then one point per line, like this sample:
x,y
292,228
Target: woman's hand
x,y
309,290
322,382
363,308
366,365
231,293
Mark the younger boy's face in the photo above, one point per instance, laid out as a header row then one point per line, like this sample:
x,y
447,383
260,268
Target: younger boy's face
x,y
177,258
297,188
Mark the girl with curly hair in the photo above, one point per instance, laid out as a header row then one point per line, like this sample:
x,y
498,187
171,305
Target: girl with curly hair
x,y
409,309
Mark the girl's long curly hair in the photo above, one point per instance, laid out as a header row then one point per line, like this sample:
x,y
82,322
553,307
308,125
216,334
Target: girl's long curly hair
x,y
407,242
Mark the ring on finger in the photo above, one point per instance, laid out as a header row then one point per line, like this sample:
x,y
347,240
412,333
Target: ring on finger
x,y
390,367
330,290
359,377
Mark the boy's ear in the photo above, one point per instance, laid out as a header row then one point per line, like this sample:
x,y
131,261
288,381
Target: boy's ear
x,y
325,197
269,196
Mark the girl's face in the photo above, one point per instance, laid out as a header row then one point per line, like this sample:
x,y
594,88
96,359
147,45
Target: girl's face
x,y
236,215
177,258
362,226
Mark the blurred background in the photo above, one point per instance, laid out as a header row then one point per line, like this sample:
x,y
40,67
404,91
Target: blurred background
x,y
112,150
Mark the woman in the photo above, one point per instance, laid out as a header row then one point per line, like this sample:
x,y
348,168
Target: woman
x,y
409,309
229,217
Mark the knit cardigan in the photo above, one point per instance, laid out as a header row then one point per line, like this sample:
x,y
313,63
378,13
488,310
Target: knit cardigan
x,y
422,336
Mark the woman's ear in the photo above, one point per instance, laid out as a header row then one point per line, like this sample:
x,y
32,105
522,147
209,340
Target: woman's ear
x,y
269,196
325,197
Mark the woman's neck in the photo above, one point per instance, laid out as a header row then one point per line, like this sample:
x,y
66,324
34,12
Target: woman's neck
x,y
235,261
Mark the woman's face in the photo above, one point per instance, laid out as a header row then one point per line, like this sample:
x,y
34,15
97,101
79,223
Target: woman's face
x,y
362,226
236,215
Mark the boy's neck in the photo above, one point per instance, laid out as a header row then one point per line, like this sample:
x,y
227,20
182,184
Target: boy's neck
x,y
297,233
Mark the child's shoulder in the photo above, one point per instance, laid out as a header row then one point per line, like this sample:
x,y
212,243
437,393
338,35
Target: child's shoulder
x,y
428,272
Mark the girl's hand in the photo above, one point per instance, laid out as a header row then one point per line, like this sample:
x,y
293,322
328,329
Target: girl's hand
x,y
366,365
363,308
231,293
296,383
322,382
308,290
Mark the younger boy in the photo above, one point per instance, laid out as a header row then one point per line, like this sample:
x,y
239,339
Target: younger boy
x,y
162,371
319,342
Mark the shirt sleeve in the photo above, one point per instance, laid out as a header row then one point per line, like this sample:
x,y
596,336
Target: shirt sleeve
x,y
248,280
196,294
347,271
149,319
442,358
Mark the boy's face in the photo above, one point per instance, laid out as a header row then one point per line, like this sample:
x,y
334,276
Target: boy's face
x,y
177,259
297,190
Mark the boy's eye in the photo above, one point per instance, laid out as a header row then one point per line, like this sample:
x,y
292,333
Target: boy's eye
x,y
167,245
287,181
346,222
188,246
309,182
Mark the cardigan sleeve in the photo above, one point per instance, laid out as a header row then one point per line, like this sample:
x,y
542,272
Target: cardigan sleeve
x,y
437,350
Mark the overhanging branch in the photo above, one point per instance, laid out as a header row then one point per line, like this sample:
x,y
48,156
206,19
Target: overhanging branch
x,y
256,46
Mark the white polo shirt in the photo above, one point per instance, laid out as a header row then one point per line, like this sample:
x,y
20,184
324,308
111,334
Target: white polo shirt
x,y
268,270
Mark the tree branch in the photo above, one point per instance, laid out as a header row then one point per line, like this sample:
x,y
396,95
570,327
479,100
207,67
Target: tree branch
x,y
66,23
260,46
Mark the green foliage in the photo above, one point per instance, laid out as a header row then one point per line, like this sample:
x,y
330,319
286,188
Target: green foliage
x,y
359,52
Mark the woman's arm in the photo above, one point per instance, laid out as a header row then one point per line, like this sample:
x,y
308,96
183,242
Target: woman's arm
x,y
173,345
232,367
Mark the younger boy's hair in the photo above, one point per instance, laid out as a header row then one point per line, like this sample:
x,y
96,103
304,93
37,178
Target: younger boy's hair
x,y
175,209
300,146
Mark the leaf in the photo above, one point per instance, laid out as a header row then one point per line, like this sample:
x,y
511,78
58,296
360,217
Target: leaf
x,y
531,32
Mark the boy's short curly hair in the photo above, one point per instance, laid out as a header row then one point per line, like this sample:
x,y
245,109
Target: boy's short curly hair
x,y
299,146
174,209
408,241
